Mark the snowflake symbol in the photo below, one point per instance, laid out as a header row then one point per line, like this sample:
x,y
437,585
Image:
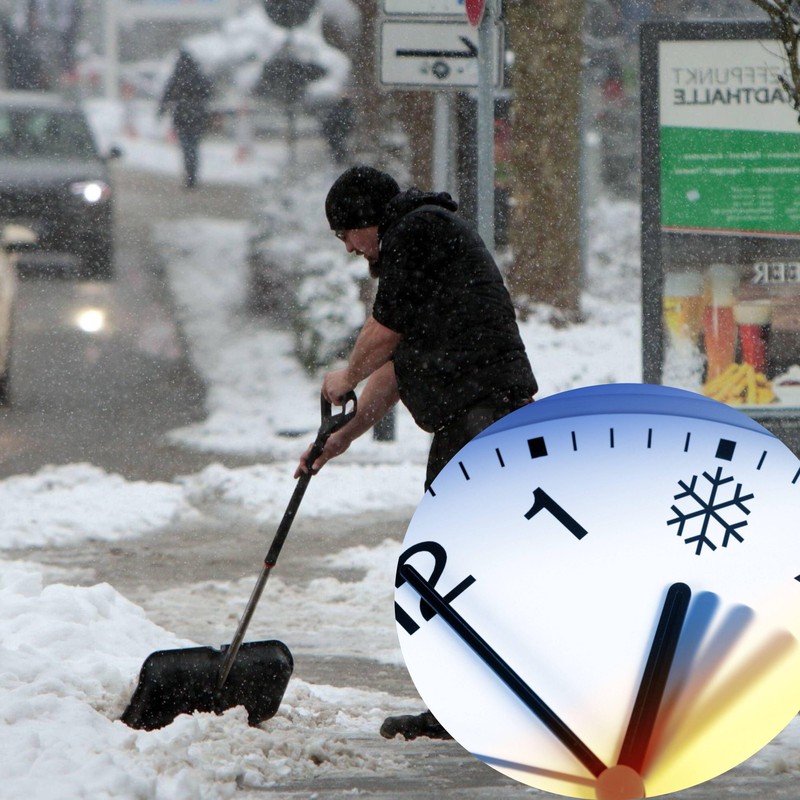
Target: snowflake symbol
x,y
709,510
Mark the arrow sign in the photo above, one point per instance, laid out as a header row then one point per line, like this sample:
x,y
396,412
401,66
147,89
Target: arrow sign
x,y
470,52
433,53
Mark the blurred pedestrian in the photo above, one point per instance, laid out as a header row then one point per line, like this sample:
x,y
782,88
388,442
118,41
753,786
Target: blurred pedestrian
x,y
337,124
22,67
187,95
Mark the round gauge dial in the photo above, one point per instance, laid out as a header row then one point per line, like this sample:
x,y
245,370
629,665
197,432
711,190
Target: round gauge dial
x,y
599,595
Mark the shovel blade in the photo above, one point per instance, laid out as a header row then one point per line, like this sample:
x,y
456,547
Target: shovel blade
x,y
173,682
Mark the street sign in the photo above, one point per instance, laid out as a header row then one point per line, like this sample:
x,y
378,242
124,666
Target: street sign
x,y
430,8
433,53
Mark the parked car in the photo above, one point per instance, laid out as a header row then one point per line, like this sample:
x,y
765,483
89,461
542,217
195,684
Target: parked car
x,y
12,239
54,181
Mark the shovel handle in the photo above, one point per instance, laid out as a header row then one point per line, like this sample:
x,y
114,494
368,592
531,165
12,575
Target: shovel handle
x,y
330,423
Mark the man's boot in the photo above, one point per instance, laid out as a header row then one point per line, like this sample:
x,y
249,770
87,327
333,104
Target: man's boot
x,y
410,726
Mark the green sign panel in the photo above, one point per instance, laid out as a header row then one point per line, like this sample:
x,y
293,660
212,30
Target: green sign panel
x,y
723,180
729,139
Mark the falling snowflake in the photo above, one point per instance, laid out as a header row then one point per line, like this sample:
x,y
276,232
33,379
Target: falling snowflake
x,y
710,504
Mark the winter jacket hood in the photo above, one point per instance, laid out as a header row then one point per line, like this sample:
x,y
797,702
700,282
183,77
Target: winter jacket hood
x,y
410,200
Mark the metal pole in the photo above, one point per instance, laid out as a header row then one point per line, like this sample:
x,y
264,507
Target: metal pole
x,y
487,59
111,36
441,141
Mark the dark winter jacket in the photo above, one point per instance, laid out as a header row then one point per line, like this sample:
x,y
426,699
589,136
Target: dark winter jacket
x,y
440,288
187,93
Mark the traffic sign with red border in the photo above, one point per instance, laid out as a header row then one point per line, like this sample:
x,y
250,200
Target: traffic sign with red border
x,y
475,11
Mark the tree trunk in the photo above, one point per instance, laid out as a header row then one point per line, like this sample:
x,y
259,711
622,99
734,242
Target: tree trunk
x,y
546,141
367,97
416,120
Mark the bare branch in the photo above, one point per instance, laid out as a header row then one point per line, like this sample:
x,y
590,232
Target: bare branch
x,y
787,27
768,6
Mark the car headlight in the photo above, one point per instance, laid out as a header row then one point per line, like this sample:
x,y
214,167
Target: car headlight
x,y
91,320
91,192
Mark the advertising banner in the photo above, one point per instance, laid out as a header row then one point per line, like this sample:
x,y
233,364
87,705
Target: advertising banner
x,y
721,216
730,159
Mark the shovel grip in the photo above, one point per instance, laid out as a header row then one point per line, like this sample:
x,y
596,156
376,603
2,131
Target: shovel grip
x,y
330,423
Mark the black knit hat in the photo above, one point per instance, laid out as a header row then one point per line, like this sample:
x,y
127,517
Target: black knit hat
x,y
358,198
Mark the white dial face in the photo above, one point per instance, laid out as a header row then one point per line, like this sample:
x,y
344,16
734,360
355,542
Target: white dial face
x,y
557,538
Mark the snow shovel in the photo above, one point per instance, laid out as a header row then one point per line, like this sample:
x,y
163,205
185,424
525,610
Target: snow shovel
x,y
253,675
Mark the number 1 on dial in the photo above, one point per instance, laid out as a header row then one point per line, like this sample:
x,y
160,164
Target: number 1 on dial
x,y
543,502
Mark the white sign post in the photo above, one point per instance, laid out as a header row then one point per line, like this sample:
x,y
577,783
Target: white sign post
x,y
111,42
486,166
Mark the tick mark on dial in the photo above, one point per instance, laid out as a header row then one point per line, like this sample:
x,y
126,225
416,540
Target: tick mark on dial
x,y
463,469
796,476
611,437
499,457
537,447
686,443
725,449
574,441
649,438
761,460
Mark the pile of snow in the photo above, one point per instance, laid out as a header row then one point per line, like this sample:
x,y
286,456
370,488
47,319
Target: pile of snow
x,y
262,491
61,505
70,658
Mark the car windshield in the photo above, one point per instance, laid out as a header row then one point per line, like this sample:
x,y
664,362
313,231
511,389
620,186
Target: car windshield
x,y
44,133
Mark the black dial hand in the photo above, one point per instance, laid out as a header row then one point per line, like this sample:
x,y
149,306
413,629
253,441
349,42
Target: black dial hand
x,y
511,679
624,781
654,679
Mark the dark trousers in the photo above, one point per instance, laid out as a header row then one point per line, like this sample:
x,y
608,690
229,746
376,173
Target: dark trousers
x,y
450,439
190,144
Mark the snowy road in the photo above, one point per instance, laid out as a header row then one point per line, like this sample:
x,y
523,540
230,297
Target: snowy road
x,y
109,394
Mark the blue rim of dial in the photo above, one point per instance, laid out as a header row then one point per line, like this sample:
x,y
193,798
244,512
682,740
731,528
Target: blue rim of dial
x,y
625,398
